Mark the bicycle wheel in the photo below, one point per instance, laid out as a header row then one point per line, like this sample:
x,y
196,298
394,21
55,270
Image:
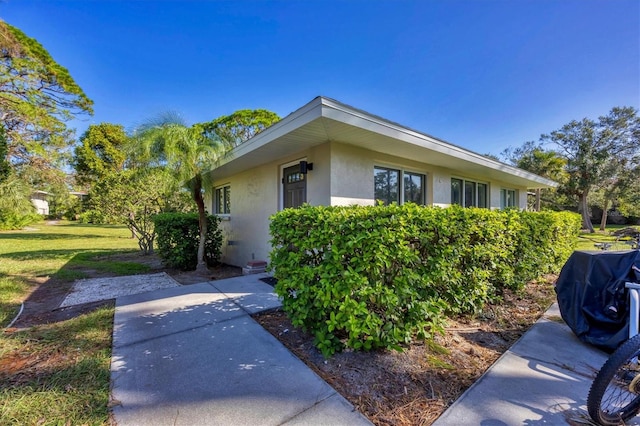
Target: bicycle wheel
x,y
614,396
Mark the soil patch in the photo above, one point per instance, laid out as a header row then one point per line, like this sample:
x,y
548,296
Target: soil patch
x,y
415,386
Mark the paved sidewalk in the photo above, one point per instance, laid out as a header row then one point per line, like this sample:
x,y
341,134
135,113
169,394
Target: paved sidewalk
x,y
543,379
193,355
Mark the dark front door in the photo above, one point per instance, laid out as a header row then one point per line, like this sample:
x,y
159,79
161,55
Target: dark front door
x,y
295,187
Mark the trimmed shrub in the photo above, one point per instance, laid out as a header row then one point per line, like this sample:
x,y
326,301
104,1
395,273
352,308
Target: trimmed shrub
x,y
376,277
92,216
178,236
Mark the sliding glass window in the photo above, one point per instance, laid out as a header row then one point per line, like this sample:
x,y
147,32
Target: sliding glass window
x,y
414,188
386,185
508,198
398,186
469,193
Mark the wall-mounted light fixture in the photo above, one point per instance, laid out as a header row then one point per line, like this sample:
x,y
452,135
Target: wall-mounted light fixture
x,y
305,167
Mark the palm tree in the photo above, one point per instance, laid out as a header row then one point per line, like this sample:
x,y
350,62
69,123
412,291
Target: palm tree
x,y
544,163
14,196
188,152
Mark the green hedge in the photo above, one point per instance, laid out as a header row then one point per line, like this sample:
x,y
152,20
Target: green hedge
x,y
372,277
93,216
178,236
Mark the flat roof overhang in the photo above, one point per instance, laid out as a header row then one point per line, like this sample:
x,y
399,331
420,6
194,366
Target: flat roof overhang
x,y
323,120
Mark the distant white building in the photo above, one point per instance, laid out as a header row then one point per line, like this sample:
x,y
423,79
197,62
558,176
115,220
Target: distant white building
x,y
39,200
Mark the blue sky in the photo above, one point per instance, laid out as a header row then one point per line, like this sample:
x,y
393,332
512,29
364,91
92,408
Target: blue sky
x,y
483,74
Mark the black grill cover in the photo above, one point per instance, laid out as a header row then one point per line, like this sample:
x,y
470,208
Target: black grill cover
x,y
592,297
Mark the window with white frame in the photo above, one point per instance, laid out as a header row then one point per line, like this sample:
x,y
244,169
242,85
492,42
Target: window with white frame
x,y
398,186
222,200
468,193
508,198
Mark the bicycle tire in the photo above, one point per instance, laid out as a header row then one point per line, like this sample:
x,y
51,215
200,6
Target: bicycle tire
x,y
614,396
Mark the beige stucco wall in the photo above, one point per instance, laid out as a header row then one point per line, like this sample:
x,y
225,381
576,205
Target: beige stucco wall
x,y
256,195
253,199
522,198
351,176
318,179
342,175
440,181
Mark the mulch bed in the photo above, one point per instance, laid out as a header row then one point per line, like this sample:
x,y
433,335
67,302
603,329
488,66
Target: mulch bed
x,y
415,386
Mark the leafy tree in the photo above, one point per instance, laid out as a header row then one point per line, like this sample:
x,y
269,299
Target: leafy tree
x,y
101,152
591,147
5,167
622,172
492,156
62,203
42,177
133,197
533,158
629,200
37,97
621,177
240,126
189,153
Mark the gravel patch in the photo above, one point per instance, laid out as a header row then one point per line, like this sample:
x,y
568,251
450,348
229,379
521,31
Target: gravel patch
x,y
96,289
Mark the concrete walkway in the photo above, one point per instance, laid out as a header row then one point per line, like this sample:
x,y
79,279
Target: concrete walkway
x,y
192,355
543,379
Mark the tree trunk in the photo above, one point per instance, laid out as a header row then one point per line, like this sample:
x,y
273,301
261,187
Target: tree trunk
x,y
603,221
145,239
132,218
584,207
538,196
202,224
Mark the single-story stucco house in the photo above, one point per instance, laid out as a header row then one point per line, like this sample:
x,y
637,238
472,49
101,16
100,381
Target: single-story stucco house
x,y
329,153
41,202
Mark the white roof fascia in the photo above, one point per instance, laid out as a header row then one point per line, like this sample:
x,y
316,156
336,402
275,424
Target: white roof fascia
x,y
295,120
321,107
335,111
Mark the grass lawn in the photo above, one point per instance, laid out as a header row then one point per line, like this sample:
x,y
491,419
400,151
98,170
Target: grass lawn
x,y
587,241
57,373
30,257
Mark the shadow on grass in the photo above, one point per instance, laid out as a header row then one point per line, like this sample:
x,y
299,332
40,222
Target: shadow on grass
x,y
86,225
43,254
76,256
22,235
104,261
